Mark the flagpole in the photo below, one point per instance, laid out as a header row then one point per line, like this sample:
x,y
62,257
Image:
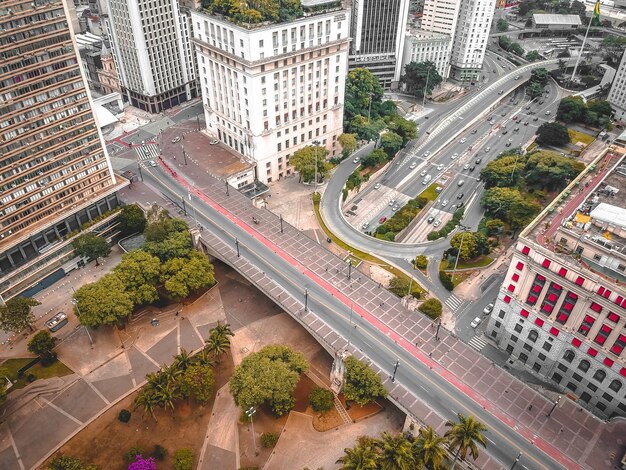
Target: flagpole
x,y
584,42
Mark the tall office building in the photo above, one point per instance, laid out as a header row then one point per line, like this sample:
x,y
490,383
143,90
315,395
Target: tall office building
x,y
273,88
151,45
426,46
470,38
378,31
54,172
561,310
467,22
617,94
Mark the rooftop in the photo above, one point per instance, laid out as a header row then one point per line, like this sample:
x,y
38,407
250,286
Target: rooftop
x,y
422,35
541,18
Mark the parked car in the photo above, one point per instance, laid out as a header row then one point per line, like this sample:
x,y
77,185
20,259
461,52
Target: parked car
x,y
460,183
175,140
440,167
454,155
460,204
57,322
488,309
548,113
430,220
475,322
474,131
466,166
395,208
382,220
365,225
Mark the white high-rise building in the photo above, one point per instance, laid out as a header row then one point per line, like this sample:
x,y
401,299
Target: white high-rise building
x,y
151,44
273,88
426,46
377,30
470,39
467,22
617,94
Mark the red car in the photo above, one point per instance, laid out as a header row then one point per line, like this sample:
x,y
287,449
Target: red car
x,y
382,220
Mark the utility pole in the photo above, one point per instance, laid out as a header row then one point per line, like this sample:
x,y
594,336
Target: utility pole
x,y
437,332
184,155
458,255
281,223
184,207
226,183
140,174
556,402
250,413
306,300
237,246
349,268
519,456
395,369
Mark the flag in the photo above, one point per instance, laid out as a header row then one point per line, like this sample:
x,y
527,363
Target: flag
x,y
596,14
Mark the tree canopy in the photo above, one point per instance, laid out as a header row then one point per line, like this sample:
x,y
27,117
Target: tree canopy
x,y
421,78
304,160
540,75
552,133
533,56
502,25
361,384
571,109
391,142
467,243
363,94
256,11
465,435
503,171
509,205
91,246
348,144
550,170
139,272
197,382
268,377
104,302
42,343
432,308
16,314
183,276
534,89
131,220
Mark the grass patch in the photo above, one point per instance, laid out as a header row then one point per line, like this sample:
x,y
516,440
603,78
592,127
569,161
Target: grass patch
x,y
57,369
577,136
358,253
459,277
479,262
430,192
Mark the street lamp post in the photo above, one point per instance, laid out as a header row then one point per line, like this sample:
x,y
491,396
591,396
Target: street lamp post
x,y
316,143
437,332
306,300
140,174
556,402
519,456
226,184
250,413
425,89
237,246
184,155
456,262
281,223
349,268
395,369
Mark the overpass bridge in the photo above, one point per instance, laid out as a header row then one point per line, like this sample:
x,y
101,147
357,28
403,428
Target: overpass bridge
x,y
345,310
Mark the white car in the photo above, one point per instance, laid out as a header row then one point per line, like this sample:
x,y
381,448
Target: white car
x,y
463,140
392,202
475,322
437,223
214,142
488,309
377,186
365,225
426,154
395,208
444,203
423,173
466,166
440,167
454,155
413,165
175,140
356,160
152,163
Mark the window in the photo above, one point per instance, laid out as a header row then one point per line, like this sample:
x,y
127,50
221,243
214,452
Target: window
x,y
577,377
501,314
541,357
509,349
523,357
527,347
599,376
513,339
557,377
603,334
562,367
569,355
616,385
572,386
607,397
601,406
592,387
584,365
547,346
585,397
536,367
533,335
518,328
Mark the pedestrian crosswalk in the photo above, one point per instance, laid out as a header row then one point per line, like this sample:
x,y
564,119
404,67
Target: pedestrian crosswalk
x,y
453,302
477,343
147,151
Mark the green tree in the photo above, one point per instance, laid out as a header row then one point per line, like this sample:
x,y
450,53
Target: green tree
x,y
268,377
508,204
516,49
175,245
217,345
601,107
400,285
466,242
533,56
540,75
362,93
552,133
502,25
16,314
366,130
395,453
197,382
183,276
361,384
161,226
421,262
550,170
464,436
348,144
183,459
429,449
494,227
403,127
503,171
534,90
91,246
446,280
182,360
304,161
420,78
571,109
390,143
321,399
42,344
131,219
104,302
148,401
139,272
432,308
504,42
374,158
363,456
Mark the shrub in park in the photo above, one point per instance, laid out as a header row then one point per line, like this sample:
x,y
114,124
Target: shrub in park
x,y
132,453
142,464
124,416
159,452
321,399
362,384
446,280
183,459
432,308
421,262
269,439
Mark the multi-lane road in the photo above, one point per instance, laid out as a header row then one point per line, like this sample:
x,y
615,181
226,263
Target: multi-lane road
x,y
366,333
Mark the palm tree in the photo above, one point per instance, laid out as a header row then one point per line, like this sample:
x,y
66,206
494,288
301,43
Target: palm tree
x,y
182,360
221,330
395,453
464,435
363,456
203,358
218,345
167,396
148,401
428,448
